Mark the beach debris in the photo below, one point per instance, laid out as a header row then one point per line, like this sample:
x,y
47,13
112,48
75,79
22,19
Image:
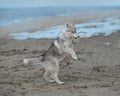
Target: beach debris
x,y
107,43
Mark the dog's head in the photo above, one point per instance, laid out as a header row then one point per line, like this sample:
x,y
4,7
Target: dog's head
x,y
72,30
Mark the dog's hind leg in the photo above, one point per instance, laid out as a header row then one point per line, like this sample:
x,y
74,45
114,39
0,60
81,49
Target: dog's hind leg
x,y
52,69
55,71
47,76
55,77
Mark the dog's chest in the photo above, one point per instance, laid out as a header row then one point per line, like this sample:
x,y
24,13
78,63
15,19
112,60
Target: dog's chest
x,y
68,43
53,51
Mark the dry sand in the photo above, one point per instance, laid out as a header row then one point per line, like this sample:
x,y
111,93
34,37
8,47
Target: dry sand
x,y
96,73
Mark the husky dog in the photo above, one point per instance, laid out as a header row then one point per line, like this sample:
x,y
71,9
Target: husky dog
x,y
61,47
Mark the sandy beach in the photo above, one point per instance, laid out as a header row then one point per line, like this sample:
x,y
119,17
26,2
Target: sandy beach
x,y
96,73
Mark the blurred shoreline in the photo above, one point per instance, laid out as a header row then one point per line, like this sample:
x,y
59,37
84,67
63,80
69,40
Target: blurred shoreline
x,y
46,22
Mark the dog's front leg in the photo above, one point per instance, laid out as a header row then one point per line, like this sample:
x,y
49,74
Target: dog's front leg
x,y
71,52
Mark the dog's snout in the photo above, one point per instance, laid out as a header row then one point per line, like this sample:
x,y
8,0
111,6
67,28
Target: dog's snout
x,y
73,31
78,36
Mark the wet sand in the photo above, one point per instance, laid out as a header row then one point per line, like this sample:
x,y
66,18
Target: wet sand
x,y
96,73
45,22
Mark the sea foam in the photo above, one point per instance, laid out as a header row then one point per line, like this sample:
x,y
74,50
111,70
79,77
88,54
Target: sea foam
x,y
93,28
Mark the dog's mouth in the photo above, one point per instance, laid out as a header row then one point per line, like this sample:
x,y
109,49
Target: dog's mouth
x,y
77,37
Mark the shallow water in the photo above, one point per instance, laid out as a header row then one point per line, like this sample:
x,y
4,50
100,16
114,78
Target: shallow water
x,y
17,15
106,27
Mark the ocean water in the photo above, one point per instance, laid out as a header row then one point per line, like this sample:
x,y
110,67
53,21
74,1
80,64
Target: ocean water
x,y
93,28
16,15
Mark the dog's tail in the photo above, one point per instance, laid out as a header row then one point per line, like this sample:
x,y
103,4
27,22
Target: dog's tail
x,y
32,61
26,61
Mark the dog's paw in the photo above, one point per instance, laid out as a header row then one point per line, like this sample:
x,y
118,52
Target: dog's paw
x,y
75,58
60,83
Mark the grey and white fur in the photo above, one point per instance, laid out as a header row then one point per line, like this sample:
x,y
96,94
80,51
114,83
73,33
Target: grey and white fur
x,y
61,47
